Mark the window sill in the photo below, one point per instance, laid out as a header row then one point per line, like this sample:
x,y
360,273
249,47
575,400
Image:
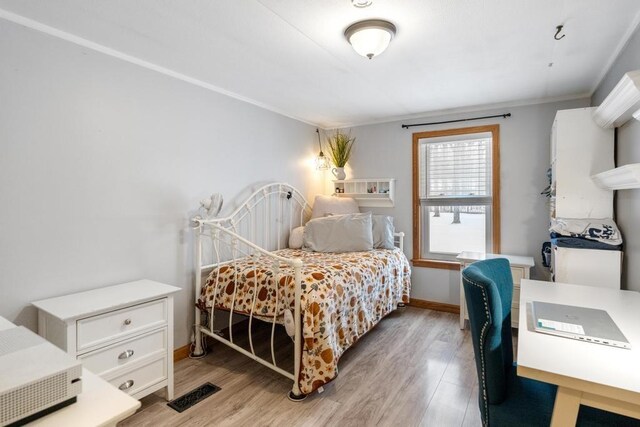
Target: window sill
x,y
433,263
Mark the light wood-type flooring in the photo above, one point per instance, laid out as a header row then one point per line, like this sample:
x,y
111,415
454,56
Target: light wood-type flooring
x,y
414,368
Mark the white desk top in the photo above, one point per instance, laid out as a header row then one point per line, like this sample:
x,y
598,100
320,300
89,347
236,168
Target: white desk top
x,y
96,301
99,404
600,364
514,260
5,324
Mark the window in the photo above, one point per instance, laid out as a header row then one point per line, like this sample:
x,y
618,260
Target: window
x,y
456,194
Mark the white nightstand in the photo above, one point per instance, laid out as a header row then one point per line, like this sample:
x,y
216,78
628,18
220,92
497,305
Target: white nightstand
x,y
520,269
123,333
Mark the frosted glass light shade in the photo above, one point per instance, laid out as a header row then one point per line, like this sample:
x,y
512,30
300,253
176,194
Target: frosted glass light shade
x,y
370,38
322,162
361,3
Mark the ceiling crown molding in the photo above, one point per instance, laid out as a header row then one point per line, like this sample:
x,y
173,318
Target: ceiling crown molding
x,y
72,38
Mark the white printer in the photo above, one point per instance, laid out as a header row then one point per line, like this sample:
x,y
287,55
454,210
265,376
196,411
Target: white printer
x,y
36,377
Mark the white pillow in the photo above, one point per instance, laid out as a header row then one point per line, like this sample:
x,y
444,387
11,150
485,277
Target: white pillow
x,y
383,232
339,233
295,238
332,205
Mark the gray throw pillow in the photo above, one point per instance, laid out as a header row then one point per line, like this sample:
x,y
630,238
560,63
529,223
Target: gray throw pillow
x,y
340,233
333,205
295,238
383,232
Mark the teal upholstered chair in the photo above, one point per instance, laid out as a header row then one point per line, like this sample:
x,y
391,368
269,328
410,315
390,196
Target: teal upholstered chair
x,y
506,399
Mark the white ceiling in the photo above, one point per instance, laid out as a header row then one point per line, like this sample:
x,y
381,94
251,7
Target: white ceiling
x,y
290,55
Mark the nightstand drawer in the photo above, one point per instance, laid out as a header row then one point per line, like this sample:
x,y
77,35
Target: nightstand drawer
x,y
515,317
105,360
109,327
517,273
141,377
515,302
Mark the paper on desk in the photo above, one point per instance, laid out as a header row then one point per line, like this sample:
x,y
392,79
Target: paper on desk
x,y
561,326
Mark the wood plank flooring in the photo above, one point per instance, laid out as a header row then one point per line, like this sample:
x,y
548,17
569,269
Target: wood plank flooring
x,y
415,368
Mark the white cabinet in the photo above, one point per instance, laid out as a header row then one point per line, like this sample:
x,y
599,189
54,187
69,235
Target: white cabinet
x,y
520,269
579,149
590,267
374,192
123,333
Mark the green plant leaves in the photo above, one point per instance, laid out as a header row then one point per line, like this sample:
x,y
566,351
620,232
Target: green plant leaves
x,y
340,146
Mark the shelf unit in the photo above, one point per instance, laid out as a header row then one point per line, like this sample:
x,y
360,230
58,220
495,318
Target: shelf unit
x,y
581,150
621,104
621,178
618,107
372,192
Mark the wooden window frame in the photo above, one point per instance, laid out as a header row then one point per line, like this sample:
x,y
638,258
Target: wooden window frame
x,y
418,260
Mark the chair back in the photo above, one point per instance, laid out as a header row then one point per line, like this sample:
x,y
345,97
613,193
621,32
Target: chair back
x,y
488,288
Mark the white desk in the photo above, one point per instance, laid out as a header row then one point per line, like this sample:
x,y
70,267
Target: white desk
x,y
99,404
589,374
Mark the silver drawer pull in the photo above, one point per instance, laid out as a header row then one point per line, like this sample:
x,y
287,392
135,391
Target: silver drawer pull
x,y
127,322
126,385
125,354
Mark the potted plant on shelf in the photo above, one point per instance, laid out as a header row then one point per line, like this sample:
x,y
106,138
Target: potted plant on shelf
x,y
340,146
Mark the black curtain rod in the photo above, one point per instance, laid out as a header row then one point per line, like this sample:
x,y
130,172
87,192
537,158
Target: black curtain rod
x,y
504,116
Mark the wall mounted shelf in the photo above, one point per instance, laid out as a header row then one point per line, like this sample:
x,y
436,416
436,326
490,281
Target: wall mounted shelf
x,y
622,178
622,103
373,192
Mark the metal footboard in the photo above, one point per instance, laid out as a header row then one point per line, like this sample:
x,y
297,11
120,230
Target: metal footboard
x,y
259,226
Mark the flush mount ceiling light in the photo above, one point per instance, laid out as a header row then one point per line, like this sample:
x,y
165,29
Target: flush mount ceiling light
x,y
361,3
371,37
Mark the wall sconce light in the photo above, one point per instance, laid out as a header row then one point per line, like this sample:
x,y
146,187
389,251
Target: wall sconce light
x,y
371,37
622,103
322,161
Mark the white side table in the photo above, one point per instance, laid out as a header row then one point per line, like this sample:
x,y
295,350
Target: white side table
x,y
123,333
520,269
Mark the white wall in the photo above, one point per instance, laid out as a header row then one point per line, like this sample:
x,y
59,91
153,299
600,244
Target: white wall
x,y
627,151
384,151
103,162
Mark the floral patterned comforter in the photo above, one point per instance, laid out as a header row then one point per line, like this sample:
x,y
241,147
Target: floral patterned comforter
x,y
343,296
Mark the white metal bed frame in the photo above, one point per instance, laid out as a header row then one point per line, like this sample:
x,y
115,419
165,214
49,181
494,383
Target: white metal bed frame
x,y
259,226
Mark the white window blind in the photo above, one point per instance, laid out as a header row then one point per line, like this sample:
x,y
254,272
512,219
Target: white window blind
x,y
455,169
